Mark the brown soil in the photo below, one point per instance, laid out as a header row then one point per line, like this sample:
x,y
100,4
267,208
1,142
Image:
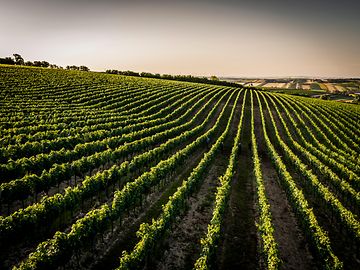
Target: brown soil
x,y
21,250
124,238
293,248
323,178
182,246
342,243
238,247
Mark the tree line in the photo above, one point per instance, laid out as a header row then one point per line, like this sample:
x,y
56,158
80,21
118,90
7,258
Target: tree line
x,y
188,78
17,59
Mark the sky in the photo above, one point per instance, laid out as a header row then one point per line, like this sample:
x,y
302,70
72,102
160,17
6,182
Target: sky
x,y
242,38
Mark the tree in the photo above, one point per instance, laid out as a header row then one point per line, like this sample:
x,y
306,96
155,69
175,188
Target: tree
x,y
214,78
45,64
37,63
7,60
18,59
72,67
146,74
84,68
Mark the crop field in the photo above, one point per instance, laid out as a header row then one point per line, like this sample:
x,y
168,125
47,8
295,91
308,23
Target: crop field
x,y
101,171
327,85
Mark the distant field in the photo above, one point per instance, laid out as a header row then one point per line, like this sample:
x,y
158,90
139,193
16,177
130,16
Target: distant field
x,y
103,171
316,86
299,92
304,84
340,90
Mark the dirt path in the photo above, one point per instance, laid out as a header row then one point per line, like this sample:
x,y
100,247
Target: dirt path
x,y
182,246
238,247
293,248
342,244
323,178
124,237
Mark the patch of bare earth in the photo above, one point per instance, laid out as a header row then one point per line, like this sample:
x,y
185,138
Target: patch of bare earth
x,y
12,255
342,243
293,248
331,88
181,246
109,245
238,246
123,237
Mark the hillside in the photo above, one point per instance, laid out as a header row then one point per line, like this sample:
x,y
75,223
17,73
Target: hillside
x,y
102,171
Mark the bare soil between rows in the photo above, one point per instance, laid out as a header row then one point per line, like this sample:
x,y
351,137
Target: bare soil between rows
x,y
181,246
23,249
107,252
238,247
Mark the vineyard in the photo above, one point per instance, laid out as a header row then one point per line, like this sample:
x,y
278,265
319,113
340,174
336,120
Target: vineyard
x,y
102,171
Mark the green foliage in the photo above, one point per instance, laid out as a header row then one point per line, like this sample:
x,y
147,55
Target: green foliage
x,y
210,241
128,134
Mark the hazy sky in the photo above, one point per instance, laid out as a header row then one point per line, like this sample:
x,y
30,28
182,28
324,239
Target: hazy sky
x,y
224,38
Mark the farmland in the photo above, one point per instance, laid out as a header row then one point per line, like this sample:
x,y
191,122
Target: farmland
x,y
102,171
326,85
